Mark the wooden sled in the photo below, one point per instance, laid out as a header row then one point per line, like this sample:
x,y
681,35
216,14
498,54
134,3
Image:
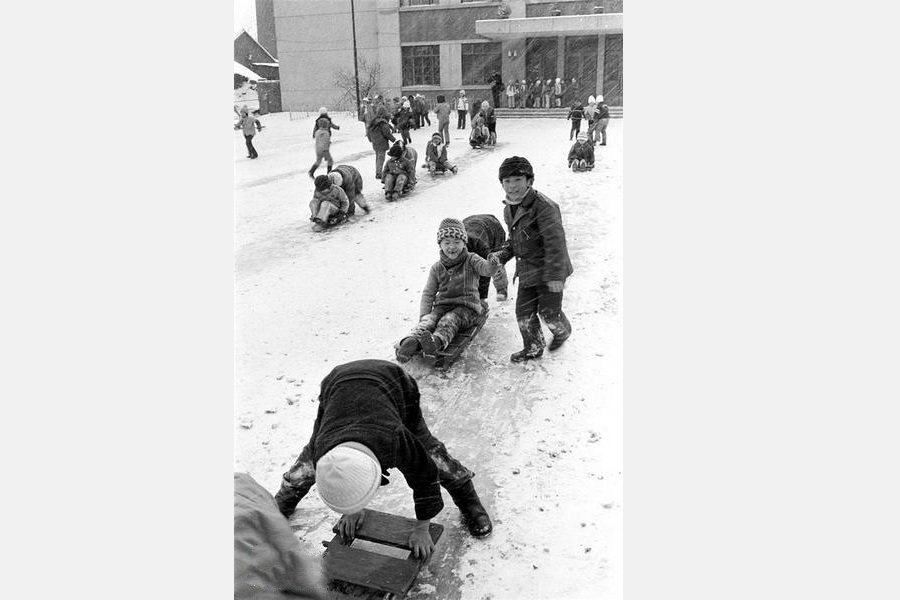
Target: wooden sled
x,y
446,357
393,576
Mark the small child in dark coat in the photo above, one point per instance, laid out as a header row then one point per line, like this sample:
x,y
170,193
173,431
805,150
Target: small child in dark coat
x,y
399,173
485,234
436,156
404,121
370,420
576,113
450,299
581,156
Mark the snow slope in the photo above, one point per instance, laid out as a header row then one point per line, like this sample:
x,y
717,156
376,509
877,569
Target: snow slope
x,y
545,437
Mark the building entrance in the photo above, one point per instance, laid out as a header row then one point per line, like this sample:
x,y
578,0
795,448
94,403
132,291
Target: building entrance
x,y
612,71
581,63
540,59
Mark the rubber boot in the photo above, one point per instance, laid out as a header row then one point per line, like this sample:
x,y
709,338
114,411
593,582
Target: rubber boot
x,y
312,173
475,516
407,349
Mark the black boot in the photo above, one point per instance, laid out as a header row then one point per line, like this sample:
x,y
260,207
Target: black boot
x,y
473,513
312,173
526,354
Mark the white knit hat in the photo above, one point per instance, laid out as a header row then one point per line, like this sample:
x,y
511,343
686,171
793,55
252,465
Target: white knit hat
x,y
336,178
599,97
591,99
323,110
347,477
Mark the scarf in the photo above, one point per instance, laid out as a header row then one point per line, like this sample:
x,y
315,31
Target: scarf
x,y
450,263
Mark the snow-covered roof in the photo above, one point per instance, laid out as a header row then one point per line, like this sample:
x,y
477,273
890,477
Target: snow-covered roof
x,y
262,64
242,70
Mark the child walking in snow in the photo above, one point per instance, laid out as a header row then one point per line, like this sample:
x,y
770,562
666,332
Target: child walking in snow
x,y
370,420
575,114
436,156
450,299
403,120
581,155
329,204
322,134
538,241
247,124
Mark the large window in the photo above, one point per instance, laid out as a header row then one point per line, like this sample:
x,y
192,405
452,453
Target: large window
x,y
479,62
421,65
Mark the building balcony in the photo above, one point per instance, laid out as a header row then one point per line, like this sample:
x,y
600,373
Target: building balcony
x,y
511,29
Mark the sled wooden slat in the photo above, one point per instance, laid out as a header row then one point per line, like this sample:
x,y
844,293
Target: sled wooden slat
x,y
391,530
371,569
376,571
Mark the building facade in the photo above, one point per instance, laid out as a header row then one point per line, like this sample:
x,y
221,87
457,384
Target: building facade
x,y
436,47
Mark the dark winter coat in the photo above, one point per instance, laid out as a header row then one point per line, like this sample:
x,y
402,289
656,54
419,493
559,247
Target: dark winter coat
x,y
576,113
489,117
602,110
537,240
352,182
419,107
485,233
324,122
380,133
456,285
432,154
375,403
581,151
403,119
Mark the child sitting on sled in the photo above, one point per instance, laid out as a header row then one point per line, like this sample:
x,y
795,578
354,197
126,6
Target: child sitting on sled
x,y
450,300
399,173
329,204
581,156
436,156
480,134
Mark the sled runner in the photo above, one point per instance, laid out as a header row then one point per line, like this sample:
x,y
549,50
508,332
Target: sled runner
x,y
446,358
394,576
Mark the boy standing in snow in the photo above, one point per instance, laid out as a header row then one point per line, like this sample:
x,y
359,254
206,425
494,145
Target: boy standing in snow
x,y
322,134
403,120
348,179
247,124
442,112
485,235
370,420
380,133
602,118
436,155
450,299
329,204
537,240
581,155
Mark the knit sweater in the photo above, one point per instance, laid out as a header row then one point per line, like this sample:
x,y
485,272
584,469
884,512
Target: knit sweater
x,y
456,285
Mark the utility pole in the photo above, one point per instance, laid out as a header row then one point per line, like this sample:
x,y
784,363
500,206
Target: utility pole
x,y
355,65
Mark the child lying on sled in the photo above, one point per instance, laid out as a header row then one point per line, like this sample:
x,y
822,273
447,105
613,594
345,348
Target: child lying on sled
x,y
450,300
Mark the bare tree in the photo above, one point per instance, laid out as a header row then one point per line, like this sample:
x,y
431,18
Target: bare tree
x,y
345,80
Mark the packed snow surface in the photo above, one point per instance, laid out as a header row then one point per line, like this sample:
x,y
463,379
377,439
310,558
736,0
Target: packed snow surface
x,y
544,437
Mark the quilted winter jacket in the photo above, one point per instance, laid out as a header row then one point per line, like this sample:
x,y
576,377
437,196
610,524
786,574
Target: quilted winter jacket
x,y
537,240
335,195
455,286
380,133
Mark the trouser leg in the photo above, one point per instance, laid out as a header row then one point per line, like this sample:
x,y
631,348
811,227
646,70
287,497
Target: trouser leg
x,y
453,321
527,304
550,310
295,484
379,163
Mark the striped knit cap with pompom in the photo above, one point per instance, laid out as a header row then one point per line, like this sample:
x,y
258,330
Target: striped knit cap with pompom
x,y
452,228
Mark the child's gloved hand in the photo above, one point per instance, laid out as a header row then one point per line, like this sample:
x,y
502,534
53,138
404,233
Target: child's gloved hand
x,y
494,259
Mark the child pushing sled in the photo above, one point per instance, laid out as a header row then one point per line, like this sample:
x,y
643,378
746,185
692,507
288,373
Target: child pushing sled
x,y
370,420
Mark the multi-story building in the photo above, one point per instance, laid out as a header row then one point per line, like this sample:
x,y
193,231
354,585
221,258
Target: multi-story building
x,y
440,46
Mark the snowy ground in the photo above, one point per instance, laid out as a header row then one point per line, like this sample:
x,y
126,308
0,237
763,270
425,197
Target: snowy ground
x,y
545,438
